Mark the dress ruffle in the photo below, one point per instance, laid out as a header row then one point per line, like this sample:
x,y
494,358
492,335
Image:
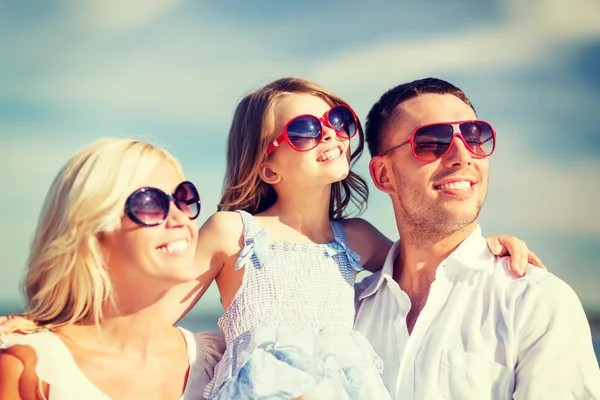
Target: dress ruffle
x,y
288,362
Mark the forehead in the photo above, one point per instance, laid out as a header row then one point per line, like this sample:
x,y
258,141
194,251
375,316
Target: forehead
x,y
163,176
428,109
296,104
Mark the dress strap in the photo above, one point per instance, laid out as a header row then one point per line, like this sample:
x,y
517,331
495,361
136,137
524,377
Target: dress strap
x,y
256,246
339,234
250,228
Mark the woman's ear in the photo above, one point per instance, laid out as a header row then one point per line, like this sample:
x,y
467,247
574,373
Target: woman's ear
x,y
380,175
268,175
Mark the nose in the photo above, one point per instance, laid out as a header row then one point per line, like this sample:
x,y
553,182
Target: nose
x,y
176,217
327,133
457,155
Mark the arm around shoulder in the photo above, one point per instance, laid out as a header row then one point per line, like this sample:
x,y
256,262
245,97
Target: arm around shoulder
x,y
371,245
18,380
555,352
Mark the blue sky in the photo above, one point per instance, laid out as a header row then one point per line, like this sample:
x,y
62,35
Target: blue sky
x,y
172,72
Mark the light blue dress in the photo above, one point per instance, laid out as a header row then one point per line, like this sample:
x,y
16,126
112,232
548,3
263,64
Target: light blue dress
x,y
289,328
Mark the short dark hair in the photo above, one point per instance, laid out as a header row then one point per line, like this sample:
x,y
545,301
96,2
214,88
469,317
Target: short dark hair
x,y
378,119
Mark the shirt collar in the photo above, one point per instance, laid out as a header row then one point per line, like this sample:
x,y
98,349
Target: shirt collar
x,y
472,253
374,282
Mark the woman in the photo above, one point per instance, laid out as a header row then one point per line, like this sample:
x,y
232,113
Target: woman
x,y
114,246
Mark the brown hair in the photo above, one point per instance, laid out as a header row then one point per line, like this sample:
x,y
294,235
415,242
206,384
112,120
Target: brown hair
x,y
251,133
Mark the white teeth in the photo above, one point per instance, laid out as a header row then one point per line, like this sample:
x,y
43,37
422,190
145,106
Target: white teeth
x,y
460,185
330,154
179,245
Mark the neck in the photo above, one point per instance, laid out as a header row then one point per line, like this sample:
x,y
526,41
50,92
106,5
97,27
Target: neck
x,y
419,257
133,324
305,210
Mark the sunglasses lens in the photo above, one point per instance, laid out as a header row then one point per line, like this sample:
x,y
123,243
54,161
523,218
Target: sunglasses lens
x,y
431,142
304,132
149,206
342,120
479,137
187,199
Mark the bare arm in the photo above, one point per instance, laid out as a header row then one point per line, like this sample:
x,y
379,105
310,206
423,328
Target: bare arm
x,y
18,380
369,243
217,239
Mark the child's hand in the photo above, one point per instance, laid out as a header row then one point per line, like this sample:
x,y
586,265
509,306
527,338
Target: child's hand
x,y
520,255
14,324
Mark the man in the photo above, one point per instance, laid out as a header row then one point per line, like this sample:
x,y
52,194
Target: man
x,y
444,314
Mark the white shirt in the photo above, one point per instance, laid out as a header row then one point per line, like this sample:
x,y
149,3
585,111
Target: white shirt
x,y
482,334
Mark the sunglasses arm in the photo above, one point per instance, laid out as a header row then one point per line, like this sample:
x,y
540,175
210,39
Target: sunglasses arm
x,y
275,144
383,153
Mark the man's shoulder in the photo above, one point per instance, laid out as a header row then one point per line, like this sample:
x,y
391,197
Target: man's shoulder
x,y
533,277
537,285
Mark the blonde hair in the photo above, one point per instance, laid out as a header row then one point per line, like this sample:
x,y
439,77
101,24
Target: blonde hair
x,y
251,133
67,280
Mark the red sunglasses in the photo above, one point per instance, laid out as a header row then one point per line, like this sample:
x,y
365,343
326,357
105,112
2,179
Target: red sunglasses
x,y
433,141
305,132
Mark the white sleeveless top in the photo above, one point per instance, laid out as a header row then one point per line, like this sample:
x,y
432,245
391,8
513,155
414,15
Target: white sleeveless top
x,y
56,366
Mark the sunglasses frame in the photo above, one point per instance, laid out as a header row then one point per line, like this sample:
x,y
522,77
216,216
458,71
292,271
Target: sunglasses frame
x,y
171,198
456,133
324,121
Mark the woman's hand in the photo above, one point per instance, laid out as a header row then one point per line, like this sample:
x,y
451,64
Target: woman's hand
x,y
520,255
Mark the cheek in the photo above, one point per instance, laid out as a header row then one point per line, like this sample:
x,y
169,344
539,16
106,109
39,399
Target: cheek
x,y
483,166
413,176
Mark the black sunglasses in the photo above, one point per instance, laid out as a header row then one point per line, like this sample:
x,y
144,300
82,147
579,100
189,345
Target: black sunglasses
x,y
149,206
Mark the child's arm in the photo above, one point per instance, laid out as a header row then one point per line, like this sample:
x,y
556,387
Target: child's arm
x,y
218,240
368,242
372,246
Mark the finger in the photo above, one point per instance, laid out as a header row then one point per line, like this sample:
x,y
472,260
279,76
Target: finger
x,y
518,257
494,245
520,268
524,264
535,260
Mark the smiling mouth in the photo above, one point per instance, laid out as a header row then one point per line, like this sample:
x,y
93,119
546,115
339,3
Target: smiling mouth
x,y
330,154
177,246
458,185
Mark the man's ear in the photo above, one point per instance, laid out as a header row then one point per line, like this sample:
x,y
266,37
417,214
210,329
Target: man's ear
x,y
380,174
268,175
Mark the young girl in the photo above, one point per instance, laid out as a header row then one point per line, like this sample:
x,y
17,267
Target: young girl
x,y
286,259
